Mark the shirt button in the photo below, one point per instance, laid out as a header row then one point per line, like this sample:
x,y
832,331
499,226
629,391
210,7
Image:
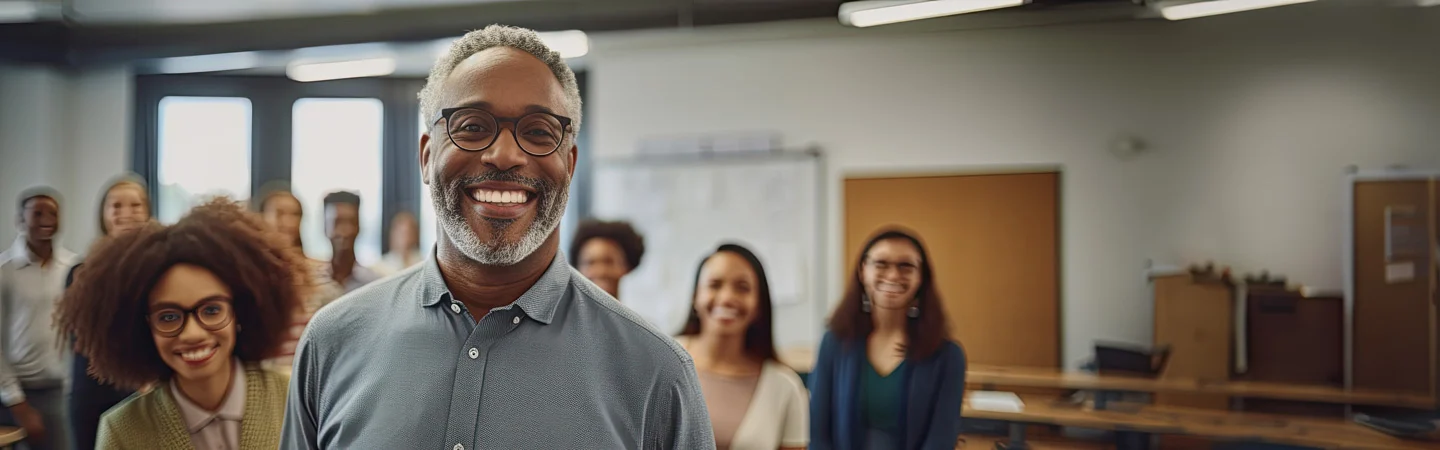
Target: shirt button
x,y
459,446
474,353
516,321
456,308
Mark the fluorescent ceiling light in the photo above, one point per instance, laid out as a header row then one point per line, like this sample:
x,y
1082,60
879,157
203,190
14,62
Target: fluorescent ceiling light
x,y
321,71
210,63
921,10
21,11
1216,7
569,43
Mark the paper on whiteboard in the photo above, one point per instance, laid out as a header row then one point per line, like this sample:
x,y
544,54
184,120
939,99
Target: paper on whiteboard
x,y
1399,272
786,272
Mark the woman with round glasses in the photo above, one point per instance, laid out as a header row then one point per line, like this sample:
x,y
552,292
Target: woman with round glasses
x,y
189,309
887,375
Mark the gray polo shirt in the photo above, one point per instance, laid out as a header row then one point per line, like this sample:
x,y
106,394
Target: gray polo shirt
x,y
401,364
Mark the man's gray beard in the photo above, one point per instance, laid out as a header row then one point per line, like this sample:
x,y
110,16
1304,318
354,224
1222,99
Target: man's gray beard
x,y
448,200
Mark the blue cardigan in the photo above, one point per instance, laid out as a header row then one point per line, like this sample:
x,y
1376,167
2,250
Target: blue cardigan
x,y
929,411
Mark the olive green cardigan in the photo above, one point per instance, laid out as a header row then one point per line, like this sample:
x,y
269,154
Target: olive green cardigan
x,y
152,420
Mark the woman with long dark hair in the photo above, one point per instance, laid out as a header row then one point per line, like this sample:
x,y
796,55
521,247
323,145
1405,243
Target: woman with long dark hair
x,y
888,375
754,401
124,207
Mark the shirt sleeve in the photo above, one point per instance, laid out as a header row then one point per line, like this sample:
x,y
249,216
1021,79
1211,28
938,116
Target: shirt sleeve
x,y
684,421
822,381
796,432
945,419
11,393
299,429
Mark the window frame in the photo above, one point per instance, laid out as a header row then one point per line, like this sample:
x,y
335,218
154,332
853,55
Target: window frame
x,y
272,100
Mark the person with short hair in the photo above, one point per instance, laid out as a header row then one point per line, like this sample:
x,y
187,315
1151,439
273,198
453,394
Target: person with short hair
x,y
495,341
604,252
342,226
124,207
189,310
32,364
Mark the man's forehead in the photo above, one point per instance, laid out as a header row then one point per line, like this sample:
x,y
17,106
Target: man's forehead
x,y
504,77
40,200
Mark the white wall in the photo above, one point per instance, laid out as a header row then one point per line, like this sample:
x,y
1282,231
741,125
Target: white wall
x,y
67,130
1251,120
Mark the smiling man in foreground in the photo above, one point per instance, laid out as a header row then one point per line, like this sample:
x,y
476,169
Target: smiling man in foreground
x,y
495,341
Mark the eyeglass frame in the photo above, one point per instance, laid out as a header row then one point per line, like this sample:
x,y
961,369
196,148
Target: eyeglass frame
x,y
186,314
447,113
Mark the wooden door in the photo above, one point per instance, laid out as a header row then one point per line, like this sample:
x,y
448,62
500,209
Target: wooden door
x,y
1393,316
994,243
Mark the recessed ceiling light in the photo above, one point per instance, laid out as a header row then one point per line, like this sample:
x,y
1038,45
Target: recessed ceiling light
x,y
335,70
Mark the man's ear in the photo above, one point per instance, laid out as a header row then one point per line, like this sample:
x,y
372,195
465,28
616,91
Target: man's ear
x,y
574,156
424,157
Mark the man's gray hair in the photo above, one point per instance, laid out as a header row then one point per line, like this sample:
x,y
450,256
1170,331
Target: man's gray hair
x,y
522,39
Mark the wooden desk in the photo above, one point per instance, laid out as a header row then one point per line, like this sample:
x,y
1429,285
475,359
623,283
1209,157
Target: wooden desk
x,y
995,378
984,442
9,436
1264,428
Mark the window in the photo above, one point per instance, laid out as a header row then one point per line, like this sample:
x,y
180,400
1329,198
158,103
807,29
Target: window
x,y
336,145
204,151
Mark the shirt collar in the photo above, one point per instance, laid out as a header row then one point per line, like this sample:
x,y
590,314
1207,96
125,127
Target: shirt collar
x,y
20,253
539,302
233,408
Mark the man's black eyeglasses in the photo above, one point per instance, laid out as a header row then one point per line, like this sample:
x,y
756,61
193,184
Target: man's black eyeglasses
x,y
473,129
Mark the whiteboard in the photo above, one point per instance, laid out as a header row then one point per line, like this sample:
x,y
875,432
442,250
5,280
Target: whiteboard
x,y
685,207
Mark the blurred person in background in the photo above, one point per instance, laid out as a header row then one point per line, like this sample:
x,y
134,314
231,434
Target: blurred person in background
x,y
605,252
342,226
755,402
404,245
188,310
496,339
124,207
283,211
887,375
32,361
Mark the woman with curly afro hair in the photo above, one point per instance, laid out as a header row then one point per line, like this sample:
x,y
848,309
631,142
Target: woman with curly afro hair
x,y
604,252
188,310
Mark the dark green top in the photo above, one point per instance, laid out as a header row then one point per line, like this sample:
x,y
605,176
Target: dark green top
x,y
880,397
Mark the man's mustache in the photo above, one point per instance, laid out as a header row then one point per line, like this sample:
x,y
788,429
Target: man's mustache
x,y
540,186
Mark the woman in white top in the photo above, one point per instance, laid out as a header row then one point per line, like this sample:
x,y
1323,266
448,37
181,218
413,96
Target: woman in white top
x,y
755,402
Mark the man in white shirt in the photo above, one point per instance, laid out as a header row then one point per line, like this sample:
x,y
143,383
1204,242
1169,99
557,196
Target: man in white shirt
x,y
32,367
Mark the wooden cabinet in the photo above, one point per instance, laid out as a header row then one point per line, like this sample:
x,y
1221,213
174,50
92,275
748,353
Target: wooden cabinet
x,y
1291,338
1195,318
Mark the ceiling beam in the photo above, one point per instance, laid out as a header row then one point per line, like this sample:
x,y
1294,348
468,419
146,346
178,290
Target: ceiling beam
x,y
96,44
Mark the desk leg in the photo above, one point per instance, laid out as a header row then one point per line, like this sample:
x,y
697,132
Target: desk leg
x,y
1017,438
1132,440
